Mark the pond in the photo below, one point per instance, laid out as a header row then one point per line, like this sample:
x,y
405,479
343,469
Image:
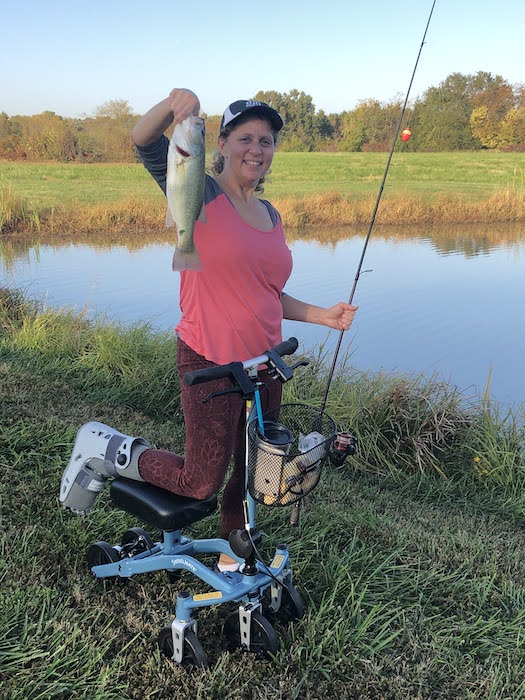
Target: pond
x,y
432,301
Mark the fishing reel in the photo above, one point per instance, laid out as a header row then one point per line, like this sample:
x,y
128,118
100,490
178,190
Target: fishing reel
x,y
343,445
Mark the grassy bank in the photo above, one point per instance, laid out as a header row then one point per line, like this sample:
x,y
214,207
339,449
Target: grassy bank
x,y
308,188
410,559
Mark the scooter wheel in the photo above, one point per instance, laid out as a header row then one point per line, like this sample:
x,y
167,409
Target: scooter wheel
x,y
135,541
292,605
193,654
102,553
264,640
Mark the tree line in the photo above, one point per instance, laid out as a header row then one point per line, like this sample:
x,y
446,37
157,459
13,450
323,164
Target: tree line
x,y
464,112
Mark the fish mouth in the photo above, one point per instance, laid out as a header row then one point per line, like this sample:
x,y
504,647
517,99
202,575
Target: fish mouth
x,y
182,153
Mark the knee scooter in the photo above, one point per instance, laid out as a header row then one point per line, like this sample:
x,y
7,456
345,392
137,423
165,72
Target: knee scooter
x,y
280,470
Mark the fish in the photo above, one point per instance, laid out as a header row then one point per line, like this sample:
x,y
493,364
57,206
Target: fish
x,y
185,189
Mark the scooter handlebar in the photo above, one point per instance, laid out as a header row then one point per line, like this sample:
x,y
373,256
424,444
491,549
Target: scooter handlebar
x,y
200,376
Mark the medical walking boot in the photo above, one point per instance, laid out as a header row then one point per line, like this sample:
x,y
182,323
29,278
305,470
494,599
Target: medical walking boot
x,y
99,452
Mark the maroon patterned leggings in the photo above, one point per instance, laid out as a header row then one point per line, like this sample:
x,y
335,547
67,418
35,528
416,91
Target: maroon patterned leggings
x,y
214,432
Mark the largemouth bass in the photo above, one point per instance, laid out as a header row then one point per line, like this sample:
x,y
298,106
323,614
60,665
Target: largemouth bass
x,y
185,189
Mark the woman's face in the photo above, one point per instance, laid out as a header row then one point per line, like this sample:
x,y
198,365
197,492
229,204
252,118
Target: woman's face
x,y
248,151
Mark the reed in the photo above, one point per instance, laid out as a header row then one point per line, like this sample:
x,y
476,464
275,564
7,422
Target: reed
x,y
327,210
16,214
131,216
401,209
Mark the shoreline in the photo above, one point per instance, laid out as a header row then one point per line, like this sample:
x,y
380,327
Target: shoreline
x,y
330,210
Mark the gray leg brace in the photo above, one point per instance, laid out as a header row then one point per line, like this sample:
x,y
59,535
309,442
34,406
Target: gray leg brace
x,y
99,452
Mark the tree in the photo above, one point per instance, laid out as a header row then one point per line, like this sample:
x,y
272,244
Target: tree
x,y
48,136
512,131
370,126
300,132
484,128
115,109
323,129
492,98
352,130
463,112
10,137
441,119
111,130
493,92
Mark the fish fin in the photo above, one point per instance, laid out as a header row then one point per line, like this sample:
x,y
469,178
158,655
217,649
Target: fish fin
x,y
202,216
170,221
183,260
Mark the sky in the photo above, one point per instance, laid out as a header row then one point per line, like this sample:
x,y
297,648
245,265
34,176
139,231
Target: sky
x,y
72,57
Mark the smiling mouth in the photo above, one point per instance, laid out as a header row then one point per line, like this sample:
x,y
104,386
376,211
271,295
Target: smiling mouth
x,y
253,162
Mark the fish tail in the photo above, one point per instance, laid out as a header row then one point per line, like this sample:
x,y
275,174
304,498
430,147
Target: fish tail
x,y
183,260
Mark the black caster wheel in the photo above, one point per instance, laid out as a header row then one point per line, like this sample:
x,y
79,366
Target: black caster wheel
x,y
264,640
193,653
102,553
135,541
292,605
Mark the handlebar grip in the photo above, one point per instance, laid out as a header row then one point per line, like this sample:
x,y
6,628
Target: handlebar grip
x,y
287,347
200,376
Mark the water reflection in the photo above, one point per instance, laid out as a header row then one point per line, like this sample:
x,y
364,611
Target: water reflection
x,y
14,249
470,240
445,299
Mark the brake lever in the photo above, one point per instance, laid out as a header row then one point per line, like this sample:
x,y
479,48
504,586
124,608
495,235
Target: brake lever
x,y
301,363
233,390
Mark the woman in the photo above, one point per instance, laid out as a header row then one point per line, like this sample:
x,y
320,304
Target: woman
x,y
232,310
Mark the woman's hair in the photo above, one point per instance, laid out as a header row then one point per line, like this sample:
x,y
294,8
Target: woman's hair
x,y
217,165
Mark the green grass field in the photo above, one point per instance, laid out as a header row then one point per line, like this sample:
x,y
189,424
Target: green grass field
x,y
472,174
413,581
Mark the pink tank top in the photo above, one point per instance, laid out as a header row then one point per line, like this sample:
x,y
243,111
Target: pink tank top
x,y
231,309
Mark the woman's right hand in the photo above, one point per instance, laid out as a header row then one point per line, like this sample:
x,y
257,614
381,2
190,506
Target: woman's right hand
x,y
175,108
183,103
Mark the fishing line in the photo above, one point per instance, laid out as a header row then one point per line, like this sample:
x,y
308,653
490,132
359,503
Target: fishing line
x,y
376,207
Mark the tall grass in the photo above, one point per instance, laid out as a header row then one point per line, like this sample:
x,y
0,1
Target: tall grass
x,y
16,214
117,363
402,209
328,210
411,558
408,423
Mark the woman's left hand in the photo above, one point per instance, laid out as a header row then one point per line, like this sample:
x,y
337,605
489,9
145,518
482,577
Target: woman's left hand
x,y
339,316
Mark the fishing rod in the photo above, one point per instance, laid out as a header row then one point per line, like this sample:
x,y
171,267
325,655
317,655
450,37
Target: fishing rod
x,y
376,207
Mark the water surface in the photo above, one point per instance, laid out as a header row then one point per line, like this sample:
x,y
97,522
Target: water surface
x,y
442,301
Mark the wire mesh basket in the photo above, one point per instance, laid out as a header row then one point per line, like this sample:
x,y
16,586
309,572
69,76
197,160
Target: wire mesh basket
x,y
285,461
